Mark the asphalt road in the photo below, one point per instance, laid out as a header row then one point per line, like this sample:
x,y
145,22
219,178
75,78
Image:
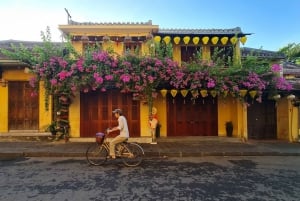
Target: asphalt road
x,y
189,178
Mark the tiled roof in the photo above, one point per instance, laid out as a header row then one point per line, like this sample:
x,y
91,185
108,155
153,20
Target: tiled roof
x,y
71,22
233,31
246,51
6,44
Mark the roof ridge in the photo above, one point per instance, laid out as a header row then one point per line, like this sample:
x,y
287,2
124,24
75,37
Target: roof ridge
x,y
149,22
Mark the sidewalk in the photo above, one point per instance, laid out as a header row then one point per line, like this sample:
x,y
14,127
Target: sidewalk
x,y
165,147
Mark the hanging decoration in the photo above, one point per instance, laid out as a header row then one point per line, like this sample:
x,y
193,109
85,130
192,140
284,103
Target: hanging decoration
x,y
173,93
243,39
157,39
252,93
233,40
203,93
186,40
243,92
195,94
213,93
167,39
224,40
225,93
205,40
215,40
196,40
176,40
184,93
106,38
164,92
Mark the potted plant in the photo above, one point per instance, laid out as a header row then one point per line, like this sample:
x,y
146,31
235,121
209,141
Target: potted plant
x,y
52,128
229,128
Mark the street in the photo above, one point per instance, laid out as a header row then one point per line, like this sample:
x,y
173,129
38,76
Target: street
x,y
190,178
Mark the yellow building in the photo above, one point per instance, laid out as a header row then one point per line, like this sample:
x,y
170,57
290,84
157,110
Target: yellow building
x,y
179,114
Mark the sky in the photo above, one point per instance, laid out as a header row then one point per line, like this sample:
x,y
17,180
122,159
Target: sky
x,y
272,24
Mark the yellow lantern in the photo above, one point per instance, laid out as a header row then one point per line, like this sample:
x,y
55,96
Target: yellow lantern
x,y
205,40
225,93
186,40
184,92
157,39
196,40
167,39
233,40
164,92
215,40
176,40
173,92
203,93
243,39
224,40
243,92
213,93
253,93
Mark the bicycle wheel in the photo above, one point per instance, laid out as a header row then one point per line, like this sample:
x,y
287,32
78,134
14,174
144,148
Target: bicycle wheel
x,y
132,154
96,154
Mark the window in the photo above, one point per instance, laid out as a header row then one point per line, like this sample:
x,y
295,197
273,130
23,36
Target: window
x,y
132,48
190,53
221,55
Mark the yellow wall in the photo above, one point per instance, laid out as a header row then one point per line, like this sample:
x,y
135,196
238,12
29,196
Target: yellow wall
x,y
4,109
20,75
231,109
45,115
74,116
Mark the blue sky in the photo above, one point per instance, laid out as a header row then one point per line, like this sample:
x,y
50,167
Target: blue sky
x,y
273,24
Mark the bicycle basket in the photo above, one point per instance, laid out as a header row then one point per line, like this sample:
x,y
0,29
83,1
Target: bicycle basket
x,y
100,138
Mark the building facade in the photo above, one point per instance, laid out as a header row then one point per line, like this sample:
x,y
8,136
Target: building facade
x,y
179,114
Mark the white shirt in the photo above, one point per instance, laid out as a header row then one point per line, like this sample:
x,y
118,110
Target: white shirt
x,y
123,127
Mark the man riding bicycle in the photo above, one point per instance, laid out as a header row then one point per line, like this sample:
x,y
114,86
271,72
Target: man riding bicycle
x,y
124,132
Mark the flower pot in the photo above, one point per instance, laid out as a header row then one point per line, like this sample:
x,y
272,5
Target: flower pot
x,y
229,128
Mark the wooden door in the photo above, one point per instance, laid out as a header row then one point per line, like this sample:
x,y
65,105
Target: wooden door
x,y
96,112
192,118
23,109
262,120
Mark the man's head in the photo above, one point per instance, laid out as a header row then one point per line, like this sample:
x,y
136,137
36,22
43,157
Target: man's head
x,y
118,111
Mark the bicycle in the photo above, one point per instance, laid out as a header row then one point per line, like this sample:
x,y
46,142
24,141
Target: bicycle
x,y
131,153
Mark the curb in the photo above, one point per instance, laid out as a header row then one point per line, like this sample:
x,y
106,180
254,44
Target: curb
x,y
147,154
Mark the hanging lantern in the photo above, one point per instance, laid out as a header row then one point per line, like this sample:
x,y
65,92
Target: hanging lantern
x,y
205,40
203,93
157,39
233,40
252,93
196,40
164,92
225,93
243,40
173,93
224,40
184,92
215,40
106,38
213,93
167,39
186,40
195,94
243,92
176,40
